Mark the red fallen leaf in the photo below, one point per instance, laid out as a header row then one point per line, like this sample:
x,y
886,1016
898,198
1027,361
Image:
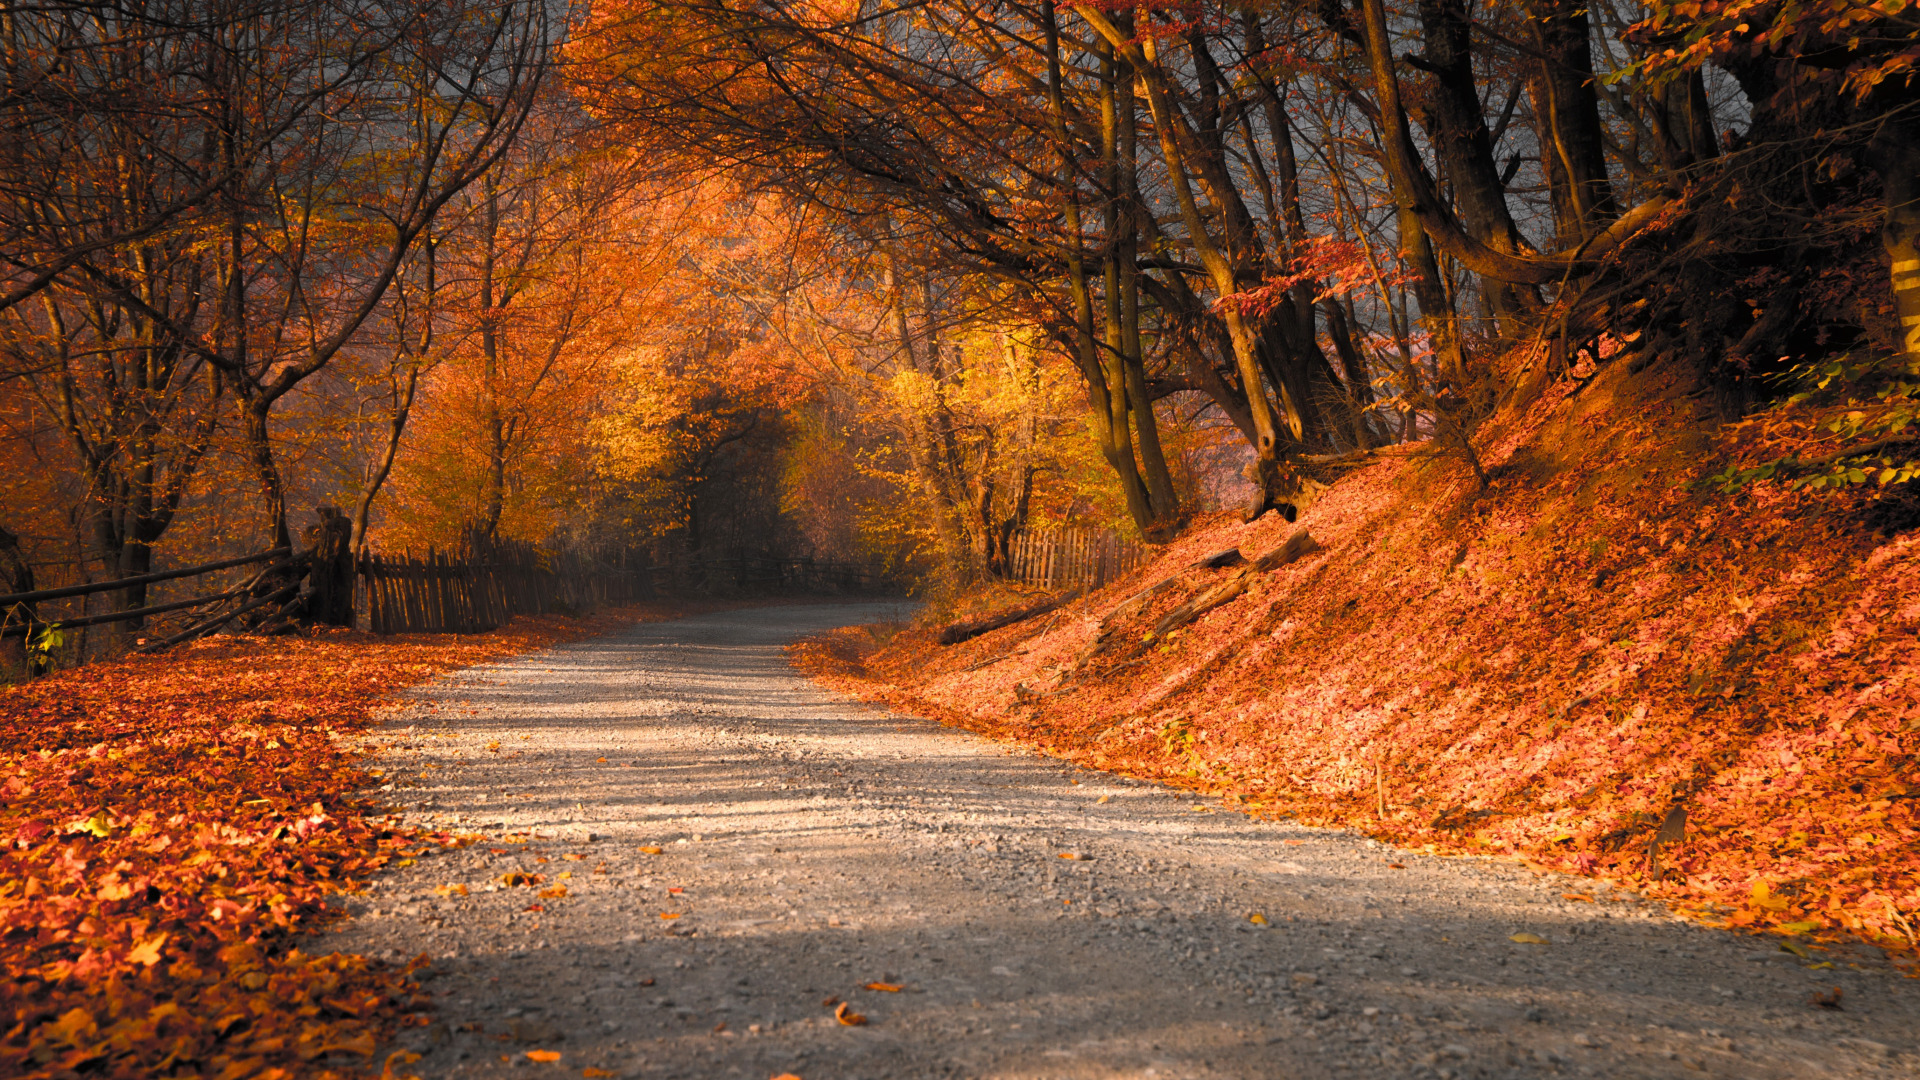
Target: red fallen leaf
x,y
1396,866
533,907
675,890
1827,999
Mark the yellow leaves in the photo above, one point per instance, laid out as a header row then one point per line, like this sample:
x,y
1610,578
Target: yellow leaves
x,y
847,1017
555,893
493,747
649,850
1524,938
95,826
148,953
1763,898
1257,919
546,1056
1103,798
74,1024
450,890
890,988
517,877
114,890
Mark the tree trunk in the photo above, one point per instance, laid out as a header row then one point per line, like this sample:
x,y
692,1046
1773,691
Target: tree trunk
x,y
1569,109
1895,155
1460,136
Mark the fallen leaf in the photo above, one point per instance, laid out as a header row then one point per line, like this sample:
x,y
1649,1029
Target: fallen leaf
x,y
403,1057
543,1055
830,1002
1524,938
1829,999
1103,798
649,850
518,878
534,907
1396,866
1583,897
450,890
600,761
554,893
675,890
786,1076
669,914
592,1073
891,988
1076,856
1293,843
147,953
571,857
1257,919
847,1016
719,1027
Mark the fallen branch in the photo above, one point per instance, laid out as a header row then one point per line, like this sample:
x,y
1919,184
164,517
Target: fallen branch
x,y
215,623
1298,545
968,629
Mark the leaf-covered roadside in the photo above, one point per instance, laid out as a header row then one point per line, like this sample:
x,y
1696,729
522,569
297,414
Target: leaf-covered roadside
x,y
1548,670
170,823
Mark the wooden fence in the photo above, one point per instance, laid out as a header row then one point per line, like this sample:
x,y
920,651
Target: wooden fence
x,y
444,592
1066,557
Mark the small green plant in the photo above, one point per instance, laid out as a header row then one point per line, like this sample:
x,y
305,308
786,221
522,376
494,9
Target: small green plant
x,y
1872,406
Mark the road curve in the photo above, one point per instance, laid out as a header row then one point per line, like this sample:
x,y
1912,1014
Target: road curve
x,y
1040,921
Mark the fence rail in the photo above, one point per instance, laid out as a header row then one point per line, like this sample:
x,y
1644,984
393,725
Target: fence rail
x,y
1065,557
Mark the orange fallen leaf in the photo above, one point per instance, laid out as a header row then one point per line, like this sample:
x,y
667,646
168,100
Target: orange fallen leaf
x,y
847,1016
600,761
1396,866
571,857
554,893
786,1076
891,988
450,890
1257,919
403,1057
675,890
543,1055
592,1073
1076,856
1576,896
535,907
669,914
649,850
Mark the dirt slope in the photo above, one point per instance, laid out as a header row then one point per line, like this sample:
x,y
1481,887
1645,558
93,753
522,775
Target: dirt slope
x,y
1546,669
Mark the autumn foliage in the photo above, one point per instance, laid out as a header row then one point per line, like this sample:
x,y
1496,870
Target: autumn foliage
x,y
174,824
1544,672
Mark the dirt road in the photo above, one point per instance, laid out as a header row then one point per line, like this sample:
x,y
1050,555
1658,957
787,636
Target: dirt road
x,y
1040,921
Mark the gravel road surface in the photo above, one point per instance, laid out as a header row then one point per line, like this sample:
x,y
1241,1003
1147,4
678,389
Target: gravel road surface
x,y
1039,921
